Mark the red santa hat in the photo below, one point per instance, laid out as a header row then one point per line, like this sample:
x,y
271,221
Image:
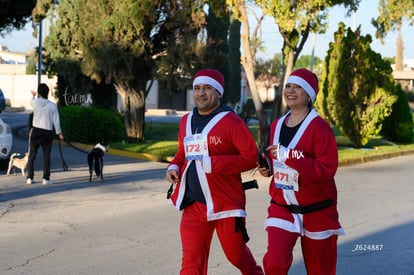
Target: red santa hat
x,y
307,80
210,77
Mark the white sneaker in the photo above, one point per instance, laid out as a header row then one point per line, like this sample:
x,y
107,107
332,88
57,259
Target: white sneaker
x,y
29,181
45,181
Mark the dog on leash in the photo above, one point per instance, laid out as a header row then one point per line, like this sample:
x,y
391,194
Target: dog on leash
x,y
20,163
95,160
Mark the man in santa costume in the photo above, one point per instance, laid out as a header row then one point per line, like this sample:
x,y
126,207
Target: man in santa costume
x,y
214,147
303,160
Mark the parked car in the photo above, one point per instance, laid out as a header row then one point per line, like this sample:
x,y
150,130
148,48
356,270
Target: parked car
x,y
6,136
2,101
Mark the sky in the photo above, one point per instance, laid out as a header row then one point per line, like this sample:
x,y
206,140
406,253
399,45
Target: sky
x,y
367,11
21,41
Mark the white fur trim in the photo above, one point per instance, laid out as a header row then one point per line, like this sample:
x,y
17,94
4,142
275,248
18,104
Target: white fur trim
x,y
305,85
207,164
295,227
209,81
173,167
322,235
284,224
211,216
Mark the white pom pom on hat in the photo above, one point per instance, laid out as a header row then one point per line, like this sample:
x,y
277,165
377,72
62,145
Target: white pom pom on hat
x,y
210,77
307,80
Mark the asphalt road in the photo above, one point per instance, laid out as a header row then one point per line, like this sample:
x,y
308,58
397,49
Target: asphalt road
x,y
125,226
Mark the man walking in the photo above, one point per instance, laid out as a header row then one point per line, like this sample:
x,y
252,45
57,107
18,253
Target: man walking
x,y
215,146
45,117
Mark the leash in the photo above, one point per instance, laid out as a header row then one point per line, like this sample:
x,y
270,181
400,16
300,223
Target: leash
x,y
64,165
74,147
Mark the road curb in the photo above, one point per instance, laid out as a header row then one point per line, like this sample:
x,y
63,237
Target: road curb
x,y
23,132
370,158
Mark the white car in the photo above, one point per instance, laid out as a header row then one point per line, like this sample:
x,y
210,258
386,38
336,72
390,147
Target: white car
x,y
6,139
6,136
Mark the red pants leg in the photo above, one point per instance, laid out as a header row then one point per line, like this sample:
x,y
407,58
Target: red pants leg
x,y
279,254
235,248
196,235
320,255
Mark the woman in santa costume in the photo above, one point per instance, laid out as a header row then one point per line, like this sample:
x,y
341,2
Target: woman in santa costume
x,y
214,147
303,160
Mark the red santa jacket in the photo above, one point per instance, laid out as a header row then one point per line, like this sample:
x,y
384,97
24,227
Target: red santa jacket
x,y
232,150
313,154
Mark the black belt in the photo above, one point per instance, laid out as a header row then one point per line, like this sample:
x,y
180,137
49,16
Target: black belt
x,y
299,209
240,226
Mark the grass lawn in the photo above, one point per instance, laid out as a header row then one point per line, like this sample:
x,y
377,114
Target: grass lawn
x,y
162,142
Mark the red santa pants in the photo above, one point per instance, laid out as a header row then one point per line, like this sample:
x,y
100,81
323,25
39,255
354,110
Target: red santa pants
x,y
319,255
196,236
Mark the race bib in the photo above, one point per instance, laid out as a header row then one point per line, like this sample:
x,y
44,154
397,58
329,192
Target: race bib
x,y
285,177
195,146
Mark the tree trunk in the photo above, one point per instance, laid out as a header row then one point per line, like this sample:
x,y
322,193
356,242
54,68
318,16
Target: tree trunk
x,y
287,72
399,55
134,112
279,104
248,62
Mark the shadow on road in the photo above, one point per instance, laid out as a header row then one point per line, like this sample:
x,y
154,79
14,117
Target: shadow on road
x,y
120,180
375,253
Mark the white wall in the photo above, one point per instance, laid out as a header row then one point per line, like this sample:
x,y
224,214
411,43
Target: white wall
x,y
17,88
190,103
12,69
151,102
12,57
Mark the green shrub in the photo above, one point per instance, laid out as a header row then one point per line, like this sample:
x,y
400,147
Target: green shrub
x,y
161,131
410,96
248,110
90,125
398,127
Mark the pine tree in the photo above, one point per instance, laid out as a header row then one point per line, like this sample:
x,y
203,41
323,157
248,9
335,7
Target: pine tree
x,y
234,81
118,42
357,88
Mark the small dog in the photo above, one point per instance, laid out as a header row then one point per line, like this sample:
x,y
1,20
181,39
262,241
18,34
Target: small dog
x,y
95,159
20,163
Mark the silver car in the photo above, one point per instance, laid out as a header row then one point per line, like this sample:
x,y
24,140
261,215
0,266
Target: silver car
x,y
6,136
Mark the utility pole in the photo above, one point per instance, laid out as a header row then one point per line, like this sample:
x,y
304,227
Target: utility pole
x,y
39,64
